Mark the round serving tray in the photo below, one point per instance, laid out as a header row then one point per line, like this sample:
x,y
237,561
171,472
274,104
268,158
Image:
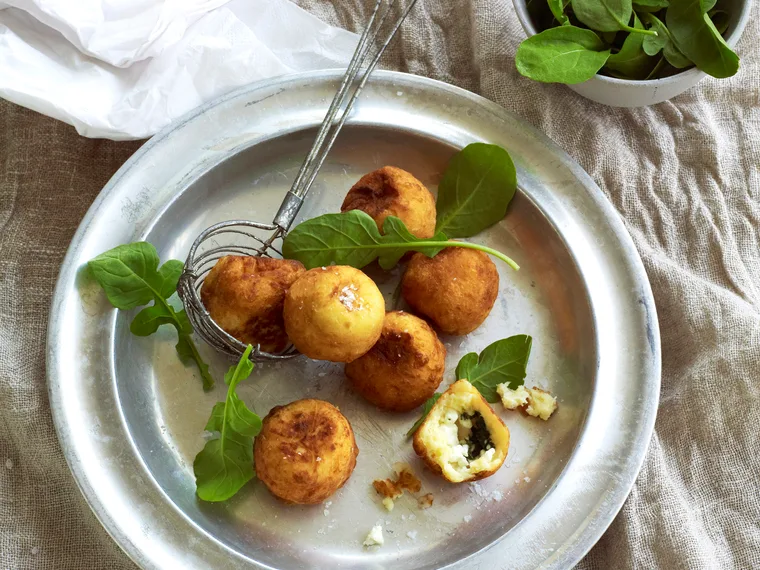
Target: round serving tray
x,y
130,416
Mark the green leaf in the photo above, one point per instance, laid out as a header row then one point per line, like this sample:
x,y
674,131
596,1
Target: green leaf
x,y
147,321
650,5
126,272
426,407
503,361
216,420
475,190
352,238
225,464
395,232
603,15
663,41
695,35
706,6
657,68
188,352
632,61
720,19
466,365
557,8
130,276
168,276
566,54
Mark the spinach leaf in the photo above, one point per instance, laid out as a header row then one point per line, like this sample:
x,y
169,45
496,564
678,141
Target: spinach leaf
x,y
720,19
697,38
650,5
398,237
566,54
657,68
557,8
663,41
352,238
606,15
225,463
130,276
466,365
503,361
475,190
426,407
632,61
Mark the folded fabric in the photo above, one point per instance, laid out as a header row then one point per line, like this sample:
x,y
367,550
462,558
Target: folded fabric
x,y
123,69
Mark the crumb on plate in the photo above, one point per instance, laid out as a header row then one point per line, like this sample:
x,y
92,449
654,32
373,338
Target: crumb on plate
x,y
375,536
405,480
541,404
425,501
533,401
512,399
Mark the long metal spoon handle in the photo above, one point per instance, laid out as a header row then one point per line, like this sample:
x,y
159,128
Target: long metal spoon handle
x,y
293,201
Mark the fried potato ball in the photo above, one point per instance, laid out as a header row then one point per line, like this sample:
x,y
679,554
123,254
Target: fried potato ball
x,y
245,296
405,366
462,438
391,191
334,313
456,289
305,451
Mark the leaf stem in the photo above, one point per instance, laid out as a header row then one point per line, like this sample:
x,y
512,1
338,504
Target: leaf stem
x,y
207,385
627,28
467,245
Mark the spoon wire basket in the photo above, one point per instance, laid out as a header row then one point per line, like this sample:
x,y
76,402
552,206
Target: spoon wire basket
x,y
245,237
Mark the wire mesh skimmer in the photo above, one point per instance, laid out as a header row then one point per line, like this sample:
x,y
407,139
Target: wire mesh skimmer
x,y
263,239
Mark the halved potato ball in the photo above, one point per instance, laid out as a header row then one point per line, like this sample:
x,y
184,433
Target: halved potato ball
x,y
391,191
462,438
334,313
245,296
456,289
405,366
305,451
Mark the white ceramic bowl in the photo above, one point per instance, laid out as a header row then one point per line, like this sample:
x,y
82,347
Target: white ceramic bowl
x,y
629,93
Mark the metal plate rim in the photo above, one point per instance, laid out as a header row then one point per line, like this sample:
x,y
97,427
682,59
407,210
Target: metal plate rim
x,y
585,539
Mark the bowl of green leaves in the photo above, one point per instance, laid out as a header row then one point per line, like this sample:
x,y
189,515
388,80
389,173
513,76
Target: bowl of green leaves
x,y
629,53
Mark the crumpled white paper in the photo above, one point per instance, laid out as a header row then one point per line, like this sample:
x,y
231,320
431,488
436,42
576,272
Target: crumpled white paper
x,y
123,69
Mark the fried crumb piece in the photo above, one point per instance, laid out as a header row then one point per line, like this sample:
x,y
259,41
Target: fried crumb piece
x,y
425,501
541,404
533,401
388,504
375,536
512,399
405,480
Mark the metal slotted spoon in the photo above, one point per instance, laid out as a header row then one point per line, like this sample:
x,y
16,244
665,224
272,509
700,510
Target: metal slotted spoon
x,y
259,238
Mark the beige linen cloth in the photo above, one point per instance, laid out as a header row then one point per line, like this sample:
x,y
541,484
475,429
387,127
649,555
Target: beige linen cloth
x,y
685,177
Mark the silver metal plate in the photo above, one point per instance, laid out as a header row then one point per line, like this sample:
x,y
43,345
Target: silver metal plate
x,y
130,416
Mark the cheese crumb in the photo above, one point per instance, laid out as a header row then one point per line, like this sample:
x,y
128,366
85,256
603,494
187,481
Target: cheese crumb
x,y
348,297
467,518
388,504
533,401
512,399
375,537
412,534
541,404
425,501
